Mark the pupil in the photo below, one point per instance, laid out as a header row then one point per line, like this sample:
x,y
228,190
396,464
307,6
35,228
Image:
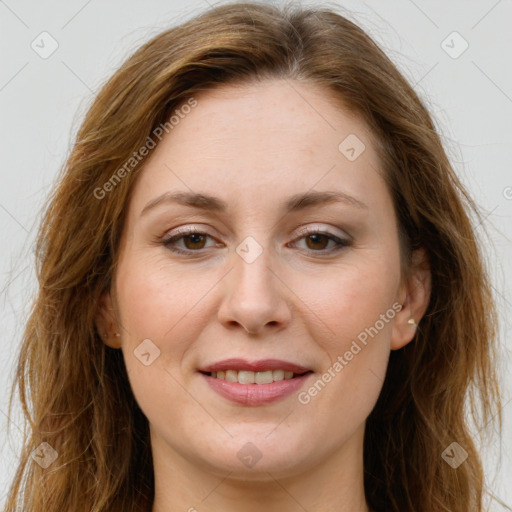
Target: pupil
x,y
195,237
316,238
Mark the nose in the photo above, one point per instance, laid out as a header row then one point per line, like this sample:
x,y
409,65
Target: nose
x,y
254,297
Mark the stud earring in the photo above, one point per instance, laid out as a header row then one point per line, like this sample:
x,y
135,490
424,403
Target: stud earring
x,y
411,321
104,335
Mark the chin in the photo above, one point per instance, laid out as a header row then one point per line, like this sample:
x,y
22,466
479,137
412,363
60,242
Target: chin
x,y
254,457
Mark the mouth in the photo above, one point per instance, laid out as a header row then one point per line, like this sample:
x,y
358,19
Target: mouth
x,y
249,377
256,383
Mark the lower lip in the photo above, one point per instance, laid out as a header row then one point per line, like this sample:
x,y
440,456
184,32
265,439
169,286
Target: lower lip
x,y
256,394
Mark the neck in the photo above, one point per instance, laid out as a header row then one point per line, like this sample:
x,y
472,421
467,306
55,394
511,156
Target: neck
x,y
335,483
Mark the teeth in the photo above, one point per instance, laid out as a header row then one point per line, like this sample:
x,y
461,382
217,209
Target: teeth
x,y
247,377
263,377
232,376
278,374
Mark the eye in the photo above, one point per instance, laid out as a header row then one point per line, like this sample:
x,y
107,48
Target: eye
x,y
317,241
192,239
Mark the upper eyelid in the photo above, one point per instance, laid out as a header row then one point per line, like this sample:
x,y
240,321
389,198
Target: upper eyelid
x,y
174,236
318,227
315,227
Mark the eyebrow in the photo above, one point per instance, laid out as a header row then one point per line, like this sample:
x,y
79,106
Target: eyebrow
x,y
214,204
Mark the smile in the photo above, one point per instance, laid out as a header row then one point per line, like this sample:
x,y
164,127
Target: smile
x,y
248,377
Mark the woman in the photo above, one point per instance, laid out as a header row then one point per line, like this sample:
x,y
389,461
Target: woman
x,y
258,286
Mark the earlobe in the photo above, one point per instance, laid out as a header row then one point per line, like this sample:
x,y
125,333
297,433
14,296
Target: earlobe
x,y
415,296
106,322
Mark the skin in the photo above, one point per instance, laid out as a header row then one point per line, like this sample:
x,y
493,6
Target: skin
x,y
254,146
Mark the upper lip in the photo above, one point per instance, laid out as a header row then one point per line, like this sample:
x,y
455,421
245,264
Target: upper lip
x,y
255,366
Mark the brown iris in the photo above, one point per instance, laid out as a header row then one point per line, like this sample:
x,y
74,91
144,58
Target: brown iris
x,y
317,238
196,238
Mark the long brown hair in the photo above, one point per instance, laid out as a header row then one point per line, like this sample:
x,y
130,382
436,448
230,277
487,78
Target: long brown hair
x,y
75,391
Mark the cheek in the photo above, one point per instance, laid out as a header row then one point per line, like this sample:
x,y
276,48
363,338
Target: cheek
x,y
356,304
157,303
167,305
155,299
351,300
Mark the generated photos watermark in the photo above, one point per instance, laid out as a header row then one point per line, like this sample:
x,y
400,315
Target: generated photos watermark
x,y
143,151
305,397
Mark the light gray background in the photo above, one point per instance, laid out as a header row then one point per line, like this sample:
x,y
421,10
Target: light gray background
x,y
42,102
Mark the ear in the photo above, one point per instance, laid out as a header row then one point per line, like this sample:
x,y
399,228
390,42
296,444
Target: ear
x,y
106,323
414,296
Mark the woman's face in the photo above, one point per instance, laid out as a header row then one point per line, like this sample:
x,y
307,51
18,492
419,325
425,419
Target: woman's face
x,y
268,281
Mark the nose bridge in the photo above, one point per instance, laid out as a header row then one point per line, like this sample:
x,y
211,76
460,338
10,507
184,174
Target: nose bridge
x,y
253,278
254,295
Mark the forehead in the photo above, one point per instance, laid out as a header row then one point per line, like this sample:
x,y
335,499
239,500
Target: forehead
x,y
261,141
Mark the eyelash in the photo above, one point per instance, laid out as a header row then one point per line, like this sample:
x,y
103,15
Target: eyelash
x,y
341,243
